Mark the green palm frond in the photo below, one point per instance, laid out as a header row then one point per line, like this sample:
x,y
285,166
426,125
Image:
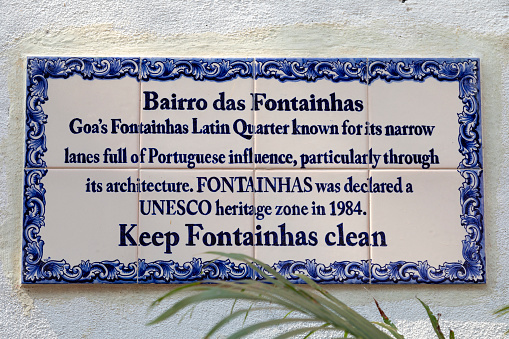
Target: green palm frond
x,y
308,308
312,308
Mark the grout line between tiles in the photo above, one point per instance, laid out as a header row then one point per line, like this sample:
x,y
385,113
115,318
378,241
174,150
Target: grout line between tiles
x,y
250,168
368,103
197,168
139,175
138,232
253,226
80,168
255,249
370,230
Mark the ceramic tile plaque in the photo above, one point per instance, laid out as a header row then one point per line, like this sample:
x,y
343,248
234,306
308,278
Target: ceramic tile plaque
x,y
346,170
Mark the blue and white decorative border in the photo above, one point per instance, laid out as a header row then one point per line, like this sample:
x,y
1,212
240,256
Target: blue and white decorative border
x,y
37,269
39,70
466,73
199,69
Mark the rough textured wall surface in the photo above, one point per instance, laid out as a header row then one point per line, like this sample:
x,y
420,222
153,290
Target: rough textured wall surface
x,y
319,28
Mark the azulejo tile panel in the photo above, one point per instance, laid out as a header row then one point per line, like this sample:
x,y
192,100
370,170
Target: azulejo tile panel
x,y
353,170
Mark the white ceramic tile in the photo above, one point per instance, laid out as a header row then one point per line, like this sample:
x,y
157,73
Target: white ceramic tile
x,y
213,122
84,213
416,123
89,122
206,205
420,218
329,135
315,214
298,207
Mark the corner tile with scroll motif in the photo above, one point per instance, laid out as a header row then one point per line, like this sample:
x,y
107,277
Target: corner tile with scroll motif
x,y
432,231
425,113
81,112
75,226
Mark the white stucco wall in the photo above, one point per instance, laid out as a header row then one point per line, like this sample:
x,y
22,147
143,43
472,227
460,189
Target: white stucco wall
x,y
321,28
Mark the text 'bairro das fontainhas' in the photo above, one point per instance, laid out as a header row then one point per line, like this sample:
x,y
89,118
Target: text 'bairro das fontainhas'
x,y
153,101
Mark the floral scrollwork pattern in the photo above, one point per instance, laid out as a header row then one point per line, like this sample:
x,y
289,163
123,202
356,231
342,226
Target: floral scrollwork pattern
x,y
38,269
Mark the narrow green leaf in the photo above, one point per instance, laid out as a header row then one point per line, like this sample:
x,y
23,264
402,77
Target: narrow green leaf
x,y
287,314
182,317
319,288
387,321
231,317
269,323
174,291
309,334
451,334
433,319
188,312
341,308
390,329
233,306
383,315
211,294
502,311
294,333
285,297
245,317
274,294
